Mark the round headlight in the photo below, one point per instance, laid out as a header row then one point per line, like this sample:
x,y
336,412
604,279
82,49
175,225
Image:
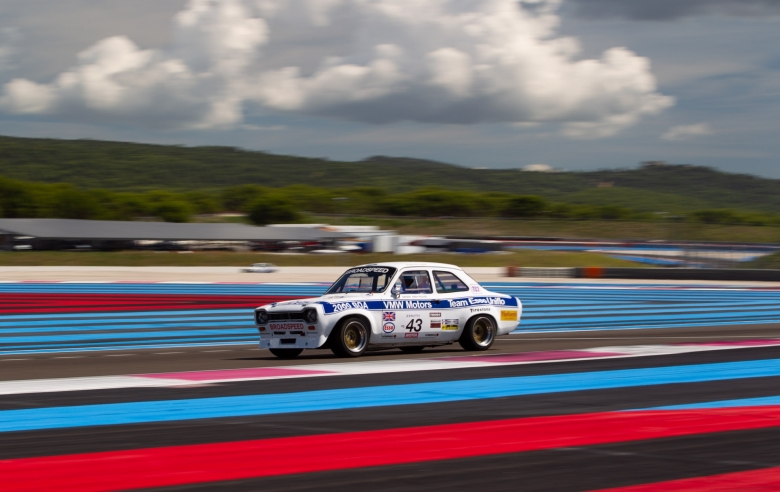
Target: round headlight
x,y
310,315
261,317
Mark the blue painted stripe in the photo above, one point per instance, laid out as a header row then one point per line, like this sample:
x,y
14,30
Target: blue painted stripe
x,y
377,396
744,402
547,308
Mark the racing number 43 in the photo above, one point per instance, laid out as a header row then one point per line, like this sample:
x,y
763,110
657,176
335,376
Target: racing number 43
x,y
414,325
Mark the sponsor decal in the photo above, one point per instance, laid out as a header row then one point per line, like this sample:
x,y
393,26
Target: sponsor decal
x,y
435,325
459,303
479,310
435,315
287,326
367,270
475,288
508,315
410,335
388,316
450,325
343,306
388,336
431,335
388,327
493,301
398,305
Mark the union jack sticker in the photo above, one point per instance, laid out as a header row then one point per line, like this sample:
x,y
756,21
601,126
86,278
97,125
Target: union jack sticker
x,y
388,316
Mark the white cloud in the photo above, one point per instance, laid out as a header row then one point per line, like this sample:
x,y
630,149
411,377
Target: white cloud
x,y
539,168
437,61
686,132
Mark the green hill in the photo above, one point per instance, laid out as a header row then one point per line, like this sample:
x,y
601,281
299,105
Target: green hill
x,y
135,167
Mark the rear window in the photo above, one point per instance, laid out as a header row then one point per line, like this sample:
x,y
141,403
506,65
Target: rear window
x,y
447,282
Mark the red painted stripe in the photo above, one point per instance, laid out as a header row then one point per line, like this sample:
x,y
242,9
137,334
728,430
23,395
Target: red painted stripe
x,y
180,465
766,480
70,303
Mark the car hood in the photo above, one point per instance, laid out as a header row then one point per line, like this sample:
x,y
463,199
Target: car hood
x,y
301,303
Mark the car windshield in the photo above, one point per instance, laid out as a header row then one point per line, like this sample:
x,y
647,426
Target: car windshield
x,y
363,279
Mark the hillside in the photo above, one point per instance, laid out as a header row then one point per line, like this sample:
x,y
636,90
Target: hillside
x,y
130,166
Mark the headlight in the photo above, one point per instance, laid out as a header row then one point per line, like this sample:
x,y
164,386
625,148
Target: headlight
x,y
310,315
261,317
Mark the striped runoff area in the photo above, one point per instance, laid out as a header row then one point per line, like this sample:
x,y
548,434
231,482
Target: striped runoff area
x,y
660,423
81,316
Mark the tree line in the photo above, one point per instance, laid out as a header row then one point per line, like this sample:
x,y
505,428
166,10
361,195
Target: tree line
x,y
264,205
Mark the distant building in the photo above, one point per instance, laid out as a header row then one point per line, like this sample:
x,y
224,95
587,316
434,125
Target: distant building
x,y
113,235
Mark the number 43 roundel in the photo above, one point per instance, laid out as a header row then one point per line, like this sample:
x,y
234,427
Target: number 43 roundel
x,y
414,325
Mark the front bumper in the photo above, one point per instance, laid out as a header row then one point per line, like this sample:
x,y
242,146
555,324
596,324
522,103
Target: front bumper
x,y
307,342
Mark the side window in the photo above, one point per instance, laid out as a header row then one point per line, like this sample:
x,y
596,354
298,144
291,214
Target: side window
x,y
416,282
447,282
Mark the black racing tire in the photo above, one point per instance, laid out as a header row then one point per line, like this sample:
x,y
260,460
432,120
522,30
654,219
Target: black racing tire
x,y
414,349
350,337
479,334
286,353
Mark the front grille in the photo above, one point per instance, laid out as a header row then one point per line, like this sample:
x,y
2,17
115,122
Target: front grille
x,y
284,316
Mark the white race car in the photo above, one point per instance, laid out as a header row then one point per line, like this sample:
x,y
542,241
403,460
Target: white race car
x,y
261,268
390,305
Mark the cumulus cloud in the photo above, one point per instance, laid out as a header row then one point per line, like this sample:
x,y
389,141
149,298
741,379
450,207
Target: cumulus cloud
x,y
686,132
539,168
674,9
438,61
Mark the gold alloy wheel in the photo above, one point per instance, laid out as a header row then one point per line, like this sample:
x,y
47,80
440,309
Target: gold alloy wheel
x,y
355,336
484,331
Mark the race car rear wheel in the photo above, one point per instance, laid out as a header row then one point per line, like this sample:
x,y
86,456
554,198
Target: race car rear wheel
x,y
350,338
479,334
286,353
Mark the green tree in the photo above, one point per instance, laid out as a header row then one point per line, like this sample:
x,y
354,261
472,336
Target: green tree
x,y
239,198
273,209
69,202
525,206
173,211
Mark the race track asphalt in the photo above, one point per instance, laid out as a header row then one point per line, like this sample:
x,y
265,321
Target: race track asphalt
x,y
673,408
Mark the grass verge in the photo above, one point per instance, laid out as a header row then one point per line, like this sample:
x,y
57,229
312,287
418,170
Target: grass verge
x,y
220,258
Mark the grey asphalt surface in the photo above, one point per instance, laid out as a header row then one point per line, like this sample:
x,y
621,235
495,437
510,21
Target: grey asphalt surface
x,y
104,363
562,469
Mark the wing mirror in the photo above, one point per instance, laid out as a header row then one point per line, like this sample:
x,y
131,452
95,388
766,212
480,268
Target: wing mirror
x,y
396,290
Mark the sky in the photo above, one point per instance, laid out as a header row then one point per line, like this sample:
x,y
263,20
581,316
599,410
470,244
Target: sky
x,y
573,84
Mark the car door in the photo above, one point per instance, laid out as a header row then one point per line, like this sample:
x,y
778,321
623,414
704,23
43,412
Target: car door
x,y
452,291
416,300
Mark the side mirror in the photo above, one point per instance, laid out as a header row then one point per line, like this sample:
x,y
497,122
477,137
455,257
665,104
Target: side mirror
x,y
396,290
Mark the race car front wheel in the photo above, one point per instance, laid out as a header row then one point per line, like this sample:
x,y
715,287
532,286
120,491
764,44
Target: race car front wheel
x,y
286,353
350,338
479,334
